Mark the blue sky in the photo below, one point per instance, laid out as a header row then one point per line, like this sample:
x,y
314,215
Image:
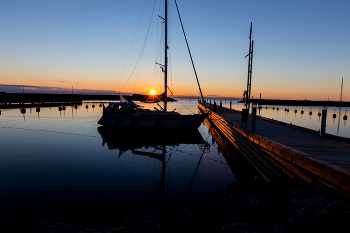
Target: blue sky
x,y
301,48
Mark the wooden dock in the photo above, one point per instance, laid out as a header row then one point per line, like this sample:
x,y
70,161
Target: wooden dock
x,y
279,149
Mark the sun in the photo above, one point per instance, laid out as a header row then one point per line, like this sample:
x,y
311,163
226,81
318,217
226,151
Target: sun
x,y
153,92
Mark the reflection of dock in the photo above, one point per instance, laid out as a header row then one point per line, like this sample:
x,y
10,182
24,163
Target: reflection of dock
x,y
276,150
240,167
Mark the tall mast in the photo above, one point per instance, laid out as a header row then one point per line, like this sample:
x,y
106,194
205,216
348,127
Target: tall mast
x,y
341,91
166,57
250,66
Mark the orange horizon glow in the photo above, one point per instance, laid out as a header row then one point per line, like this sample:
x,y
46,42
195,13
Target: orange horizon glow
x,y
309,92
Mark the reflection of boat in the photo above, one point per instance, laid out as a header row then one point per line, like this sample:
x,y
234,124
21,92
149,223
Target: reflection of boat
x,y
130,115
152,144
140,138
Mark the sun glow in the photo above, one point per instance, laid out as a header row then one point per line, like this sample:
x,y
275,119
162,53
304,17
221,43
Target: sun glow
x,y
153,92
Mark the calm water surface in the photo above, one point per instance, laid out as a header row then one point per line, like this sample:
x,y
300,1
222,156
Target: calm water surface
x,y
58,161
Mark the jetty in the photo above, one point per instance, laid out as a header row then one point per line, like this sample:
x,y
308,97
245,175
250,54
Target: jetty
x,y
278,149
29,100
277,102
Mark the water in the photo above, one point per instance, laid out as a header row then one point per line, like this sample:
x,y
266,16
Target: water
x,y
57,161
335,126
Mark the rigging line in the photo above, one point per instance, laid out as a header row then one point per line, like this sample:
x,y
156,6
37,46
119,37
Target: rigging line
x,y
186,107
137,177
118,171
130,178
188,47
49,131
132,42
158,55
189,188
138,71
154,79
143,47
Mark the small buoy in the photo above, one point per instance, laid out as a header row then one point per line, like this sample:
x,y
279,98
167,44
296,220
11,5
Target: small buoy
x,y
302,111
310,113
278,109
319,114
93,106
273,108
60,108
345,117
75,106
100,105
295,111
334,115
87,106
64,107
23,110
37,109
266,107
288,110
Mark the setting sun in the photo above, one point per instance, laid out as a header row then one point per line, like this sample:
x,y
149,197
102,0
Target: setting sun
x,y
153,92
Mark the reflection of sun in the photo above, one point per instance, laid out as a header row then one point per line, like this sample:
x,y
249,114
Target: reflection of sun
x,y
153,92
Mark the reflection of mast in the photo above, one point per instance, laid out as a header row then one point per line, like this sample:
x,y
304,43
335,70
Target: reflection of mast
x,y
339,117
189,188
340,103
162,182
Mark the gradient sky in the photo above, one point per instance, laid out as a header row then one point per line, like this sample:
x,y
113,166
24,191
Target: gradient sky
x,y
301,48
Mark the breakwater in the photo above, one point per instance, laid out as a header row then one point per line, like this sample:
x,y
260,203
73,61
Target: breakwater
x,y
277,102
16,100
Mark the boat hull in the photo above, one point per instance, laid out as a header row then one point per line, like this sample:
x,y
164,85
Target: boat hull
x,y
180,121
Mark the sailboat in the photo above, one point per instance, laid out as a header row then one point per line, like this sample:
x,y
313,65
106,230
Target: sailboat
x,y
130,115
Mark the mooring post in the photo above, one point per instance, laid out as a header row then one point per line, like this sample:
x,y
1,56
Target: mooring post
x,y
243,118
220,107
323,121
230,105
253,117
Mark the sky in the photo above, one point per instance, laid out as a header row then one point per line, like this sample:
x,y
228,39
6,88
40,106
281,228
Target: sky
x,y
301,48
